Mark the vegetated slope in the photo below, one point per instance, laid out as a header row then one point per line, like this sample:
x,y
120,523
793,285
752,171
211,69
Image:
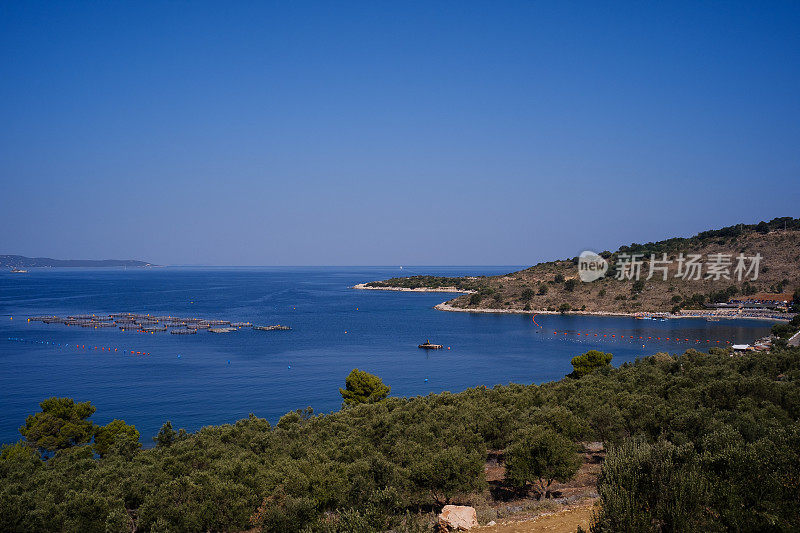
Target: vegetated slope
x,y
555,285
709,442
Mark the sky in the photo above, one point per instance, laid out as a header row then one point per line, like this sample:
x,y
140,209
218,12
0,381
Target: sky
x,y
390,133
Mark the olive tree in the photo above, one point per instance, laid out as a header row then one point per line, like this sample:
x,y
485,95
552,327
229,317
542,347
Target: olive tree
x,y
540,456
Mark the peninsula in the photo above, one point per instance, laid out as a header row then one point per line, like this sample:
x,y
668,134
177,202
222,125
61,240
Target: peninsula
x,y
769,288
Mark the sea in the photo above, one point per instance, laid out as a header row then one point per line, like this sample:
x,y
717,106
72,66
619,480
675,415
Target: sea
x,y
209,379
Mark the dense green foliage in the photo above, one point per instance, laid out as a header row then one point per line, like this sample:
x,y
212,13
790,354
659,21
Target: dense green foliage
x,y
700,441
589,362
363,387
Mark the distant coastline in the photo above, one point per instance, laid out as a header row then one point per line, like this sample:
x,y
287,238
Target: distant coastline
x,y
20,261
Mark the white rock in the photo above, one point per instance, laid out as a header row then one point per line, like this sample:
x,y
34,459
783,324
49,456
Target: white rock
x,y
458,517
492,523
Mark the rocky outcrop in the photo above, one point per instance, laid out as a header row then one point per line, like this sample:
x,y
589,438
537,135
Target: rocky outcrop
x,y
458,518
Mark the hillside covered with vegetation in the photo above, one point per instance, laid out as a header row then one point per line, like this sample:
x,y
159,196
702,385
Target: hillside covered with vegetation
x,y
698,442
555,285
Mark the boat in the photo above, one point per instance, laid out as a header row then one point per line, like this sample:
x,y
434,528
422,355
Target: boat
x,y
18,270
428,346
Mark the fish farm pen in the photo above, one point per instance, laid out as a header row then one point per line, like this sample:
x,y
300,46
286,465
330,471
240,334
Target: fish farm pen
x,y
142,323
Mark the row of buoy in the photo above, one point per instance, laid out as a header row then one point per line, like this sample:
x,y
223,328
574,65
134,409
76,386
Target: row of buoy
x,y
639,337
80,346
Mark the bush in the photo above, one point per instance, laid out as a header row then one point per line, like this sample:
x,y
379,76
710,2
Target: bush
x,y
527,294
542,290
643,485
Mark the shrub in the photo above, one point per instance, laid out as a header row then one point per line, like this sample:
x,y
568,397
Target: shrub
x,y
527,294
542,290
642,485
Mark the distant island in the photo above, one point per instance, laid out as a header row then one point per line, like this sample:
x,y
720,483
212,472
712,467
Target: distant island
x,y
20,261
717,290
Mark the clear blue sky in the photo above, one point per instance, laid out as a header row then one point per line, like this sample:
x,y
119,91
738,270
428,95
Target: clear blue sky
x,y
336,133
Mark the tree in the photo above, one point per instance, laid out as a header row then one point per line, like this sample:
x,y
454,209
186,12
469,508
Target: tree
x,y
117,430
166,435
589,362
363,387
62,423
540,456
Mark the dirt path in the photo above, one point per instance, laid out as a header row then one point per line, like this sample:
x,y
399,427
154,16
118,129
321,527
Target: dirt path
x,y
566,521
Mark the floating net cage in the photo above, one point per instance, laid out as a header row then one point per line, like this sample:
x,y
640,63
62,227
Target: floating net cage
x,y
151,323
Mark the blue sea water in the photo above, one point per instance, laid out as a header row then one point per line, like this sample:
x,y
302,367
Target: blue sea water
x,y
203,379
